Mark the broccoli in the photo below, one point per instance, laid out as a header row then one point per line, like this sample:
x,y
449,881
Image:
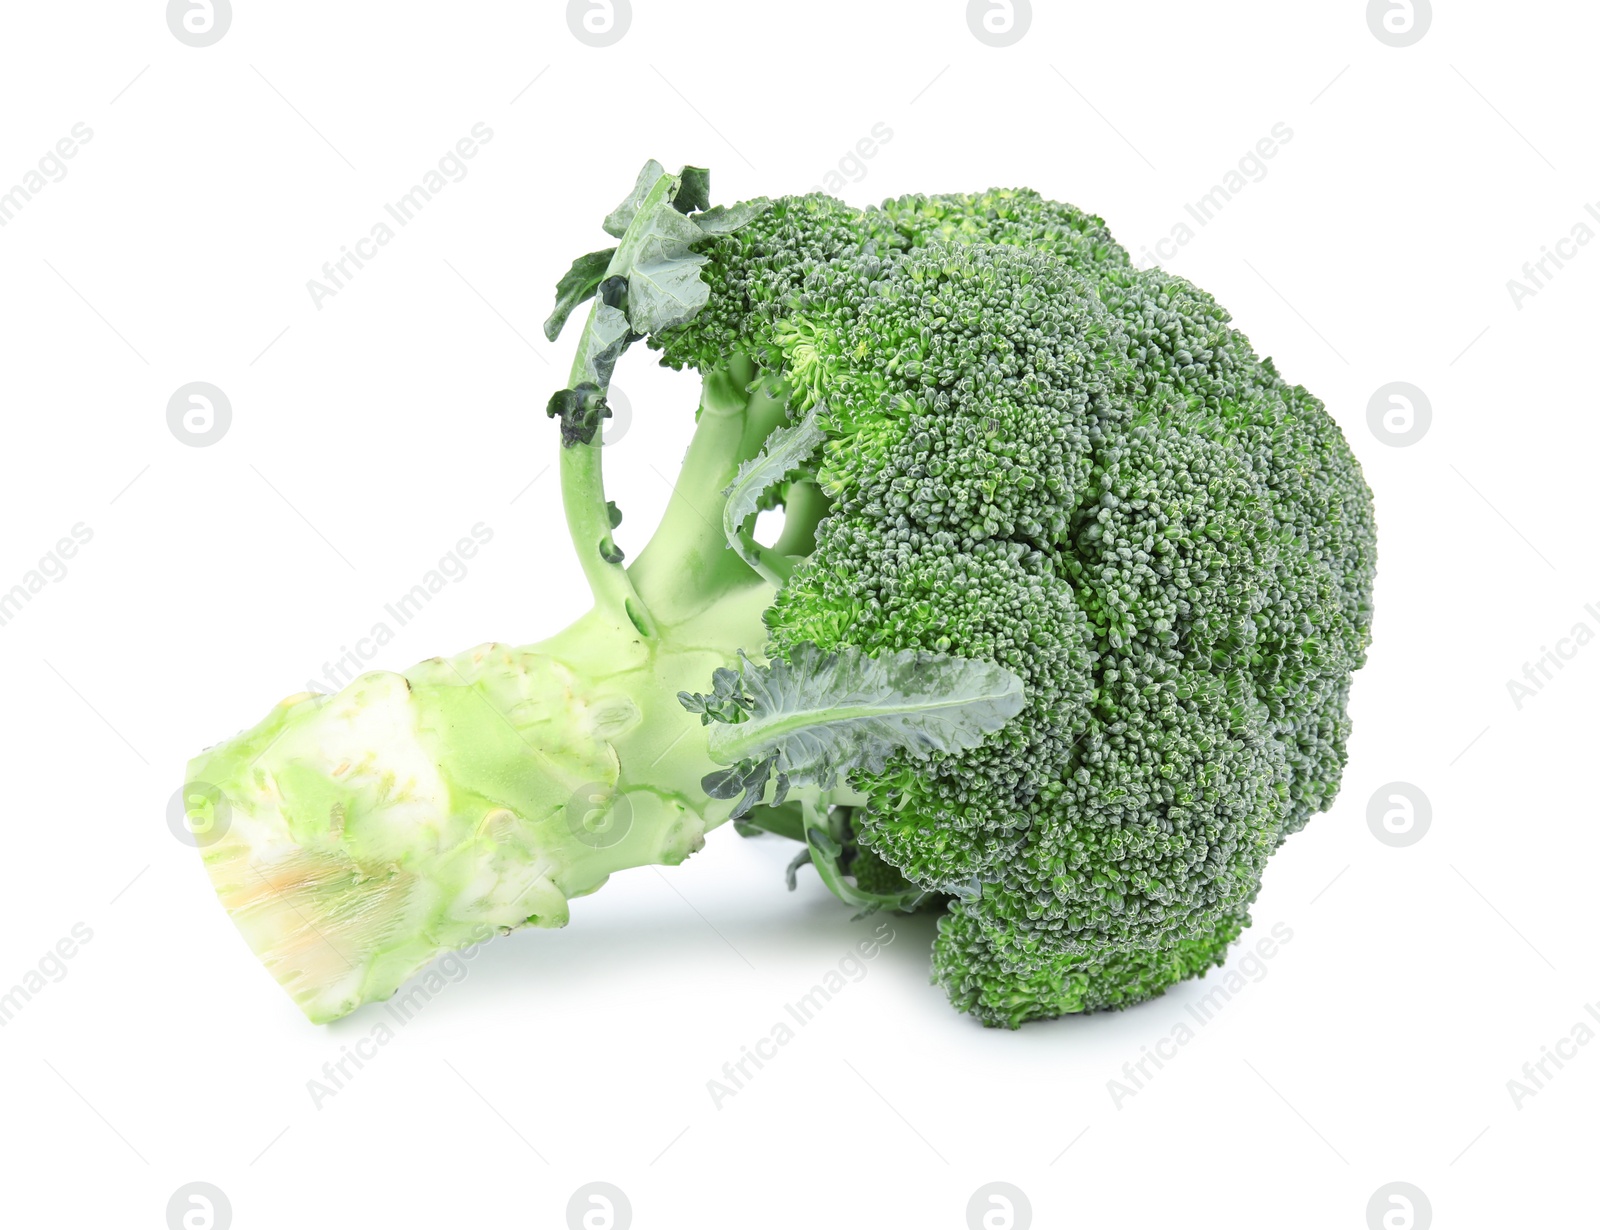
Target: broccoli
x,y
1056,639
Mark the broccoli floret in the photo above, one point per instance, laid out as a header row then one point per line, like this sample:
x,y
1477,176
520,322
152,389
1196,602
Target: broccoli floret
x,y
1015,216
1311,629
1009,993
1057,638
1004,484
754,272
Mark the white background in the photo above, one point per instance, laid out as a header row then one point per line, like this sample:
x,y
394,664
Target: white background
x,y
372,433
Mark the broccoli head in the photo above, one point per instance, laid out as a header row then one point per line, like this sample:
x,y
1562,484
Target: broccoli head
x,y
1056,639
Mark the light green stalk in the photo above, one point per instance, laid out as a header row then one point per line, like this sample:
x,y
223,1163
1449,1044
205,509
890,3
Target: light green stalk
x,y
410,814
583,497
365,833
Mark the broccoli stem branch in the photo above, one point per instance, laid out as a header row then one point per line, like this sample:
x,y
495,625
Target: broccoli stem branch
x,y
688,544
803,509
687,564
583,495
767,409
583,498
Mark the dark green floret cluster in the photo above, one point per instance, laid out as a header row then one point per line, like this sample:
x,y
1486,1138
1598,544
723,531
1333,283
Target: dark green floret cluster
x,y
1041,456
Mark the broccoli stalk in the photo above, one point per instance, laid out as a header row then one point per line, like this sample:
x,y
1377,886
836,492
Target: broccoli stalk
x,y
410,814
415,813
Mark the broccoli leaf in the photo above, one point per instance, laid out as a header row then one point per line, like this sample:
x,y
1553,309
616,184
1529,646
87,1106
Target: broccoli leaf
x,y
664,283
581,411
576,286
666,293
694,190
725,219
825,831
819,715
660,235
619,219
603,341
747,779
657,224
830,842
725,703
786,450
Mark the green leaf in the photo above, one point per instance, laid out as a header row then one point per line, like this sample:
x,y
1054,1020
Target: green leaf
x,y
725,219
786,821
694,190
581,411
819,715
664,283
785,451
576,286
617,220
658,229
790,873
603,342
666,293
654,280
746,781
725,703
830,839
661,234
